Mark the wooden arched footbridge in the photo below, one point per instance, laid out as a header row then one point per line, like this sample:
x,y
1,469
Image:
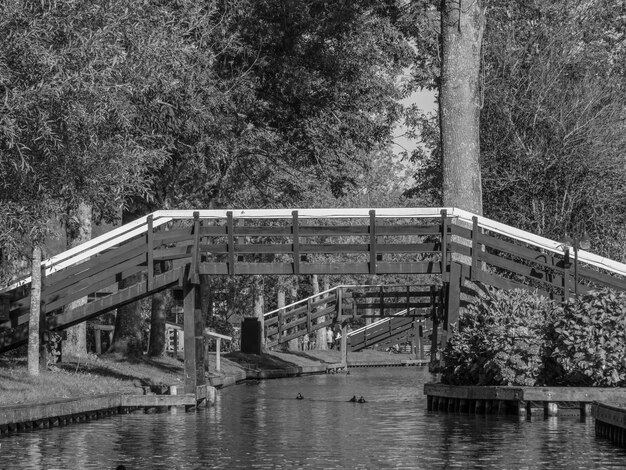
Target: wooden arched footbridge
x,y
442,246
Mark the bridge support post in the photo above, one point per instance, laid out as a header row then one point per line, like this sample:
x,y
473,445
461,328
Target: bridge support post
x,y
453,293
193,336
344,344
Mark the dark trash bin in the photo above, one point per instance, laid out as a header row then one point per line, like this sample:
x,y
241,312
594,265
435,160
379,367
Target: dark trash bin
x,y
251,336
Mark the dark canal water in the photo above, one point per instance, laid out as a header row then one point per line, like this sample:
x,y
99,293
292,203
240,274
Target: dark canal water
x,y
262,425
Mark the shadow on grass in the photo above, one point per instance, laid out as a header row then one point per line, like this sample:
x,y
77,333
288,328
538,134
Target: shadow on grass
x,y
305,355
258,361
125,368
99,371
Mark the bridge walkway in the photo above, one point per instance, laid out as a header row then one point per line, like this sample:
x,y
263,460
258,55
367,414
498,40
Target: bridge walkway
x,y
448,246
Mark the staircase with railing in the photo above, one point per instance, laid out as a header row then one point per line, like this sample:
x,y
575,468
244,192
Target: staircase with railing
x,y
399,309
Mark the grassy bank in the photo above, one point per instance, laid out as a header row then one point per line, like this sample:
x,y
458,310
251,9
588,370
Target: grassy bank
x,y
111,373
92,375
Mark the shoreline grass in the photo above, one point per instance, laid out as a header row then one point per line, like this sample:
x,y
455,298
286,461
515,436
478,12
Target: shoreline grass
x,y
91,375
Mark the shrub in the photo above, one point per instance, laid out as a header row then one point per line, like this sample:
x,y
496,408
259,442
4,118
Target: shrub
x,y
588,340
501,341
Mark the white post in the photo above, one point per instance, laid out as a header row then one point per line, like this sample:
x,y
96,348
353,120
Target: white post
x,y
218,347
344,345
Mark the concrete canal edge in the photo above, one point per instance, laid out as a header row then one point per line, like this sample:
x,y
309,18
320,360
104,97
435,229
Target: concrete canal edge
x,y
61,412
552,401
599,402
610,422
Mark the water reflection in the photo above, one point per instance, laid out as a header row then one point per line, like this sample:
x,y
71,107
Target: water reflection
x,y
262,425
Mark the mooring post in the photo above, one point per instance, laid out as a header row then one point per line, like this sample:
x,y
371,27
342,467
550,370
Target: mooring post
x,y
550,408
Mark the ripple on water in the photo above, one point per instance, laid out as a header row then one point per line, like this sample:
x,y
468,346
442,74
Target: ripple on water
x,y
264,426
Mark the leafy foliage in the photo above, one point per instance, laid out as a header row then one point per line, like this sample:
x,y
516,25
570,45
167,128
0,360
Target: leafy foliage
x,y
519,338
588,340
501,341
552,125
552,120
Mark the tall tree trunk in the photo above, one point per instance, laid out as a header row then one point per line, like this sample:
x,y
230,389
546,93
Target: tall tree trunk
x,y
280,298
462,27
293,344
320,335
259,304
158,316
35,311
128,337
78,231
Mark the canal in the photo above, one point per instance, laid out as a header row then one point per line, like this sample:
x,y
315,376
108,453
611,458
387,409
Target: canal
x,y
263,425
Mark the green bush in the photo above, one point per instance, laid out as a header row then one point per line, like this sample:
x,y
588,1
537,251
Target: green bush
x,y
501,341
588,340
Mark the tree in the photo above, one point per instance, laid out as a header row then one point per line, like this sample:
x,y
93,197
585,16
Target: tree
x,y
553,128
78,231
66,122
35,311
462,27
158,315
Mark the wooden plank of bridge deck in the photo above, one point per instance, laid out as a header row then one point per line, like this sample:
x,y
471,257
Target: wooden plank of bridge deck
x,y
461,249
122,297
398,305
319,268
295,311
518,250
95,274
343,268
395,294
334,230
171,253
379,333
323,311
385,230
334,248
323,300
424,267
500,282
322,231
55,300
90,285
397,332
517,268
177,235
602,278
251,248
23,316
130,249
462,232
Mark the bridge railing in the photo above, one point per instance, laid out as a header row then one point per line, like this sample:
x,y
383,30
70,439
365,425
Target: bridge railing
x,y
412,241
553,269
353,301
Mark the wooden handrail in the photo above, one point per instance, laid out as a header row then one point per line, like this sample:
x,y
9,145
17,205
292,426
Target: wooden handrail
x,y
138,227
